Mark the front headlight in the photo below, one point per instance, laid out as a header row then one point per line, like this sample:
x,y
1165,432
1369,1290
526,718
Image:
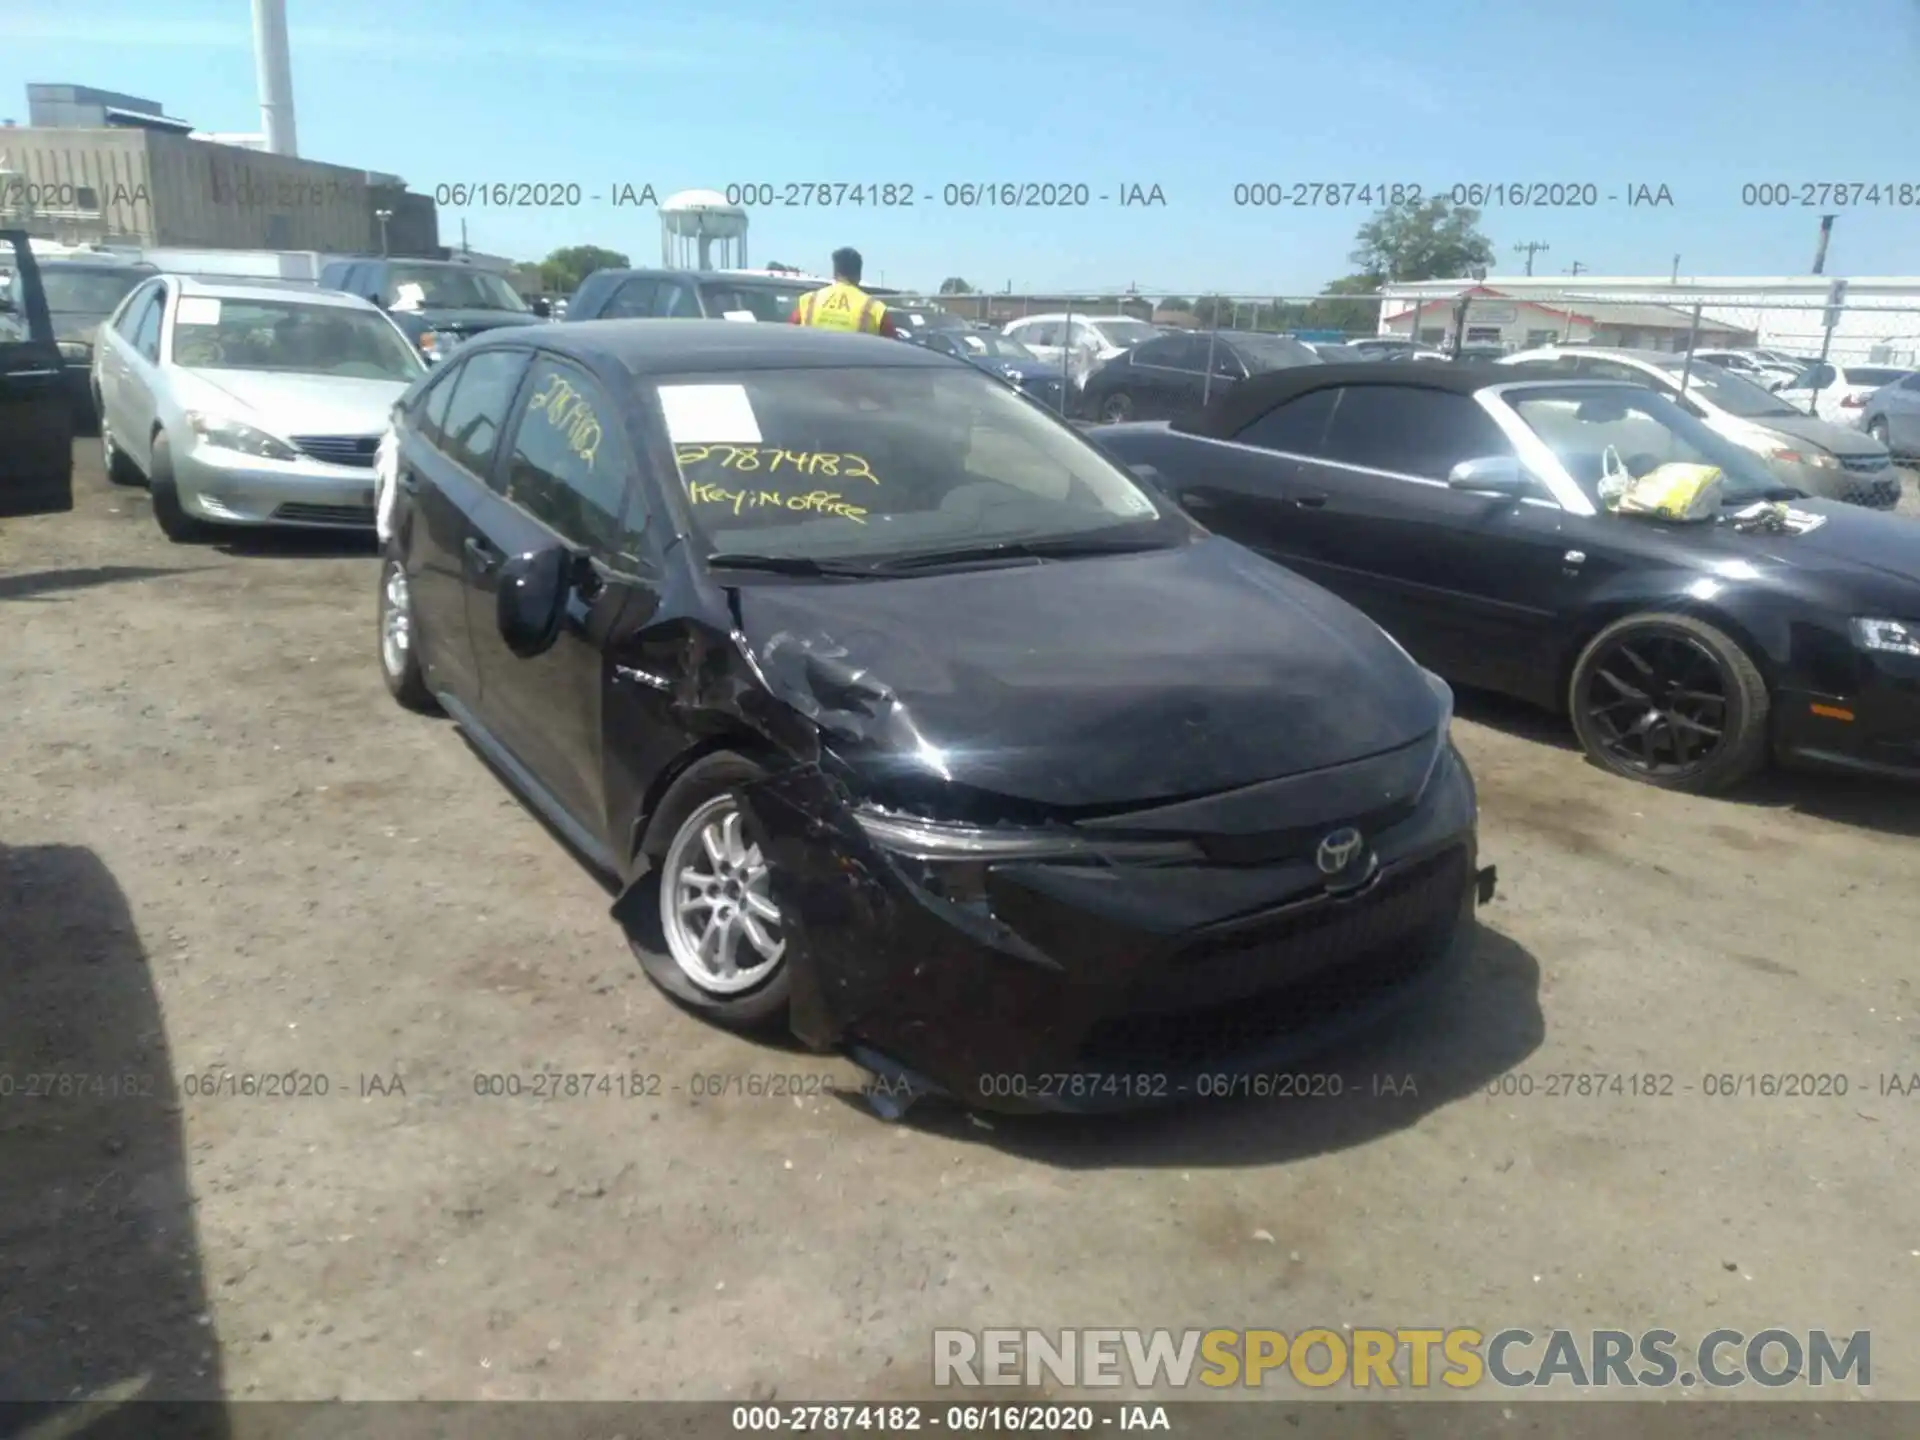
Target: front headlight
x,y
919,839
222,432
1819,459
1894,637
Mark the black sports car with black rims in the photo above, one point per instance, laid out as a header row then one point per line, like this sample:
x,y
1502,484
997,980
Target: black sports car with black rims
x,y
1461,507
902,716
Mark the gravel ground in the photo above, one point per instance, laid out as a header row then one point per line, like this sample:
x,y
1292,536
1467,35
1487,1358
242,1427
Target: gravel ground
x,y
222,848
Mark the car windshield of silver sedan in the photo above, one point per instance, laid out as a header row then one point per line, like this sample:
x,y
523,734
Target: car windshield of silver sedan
x,y
891,463
290,337
1726,391
1643,431
1125,333
993,347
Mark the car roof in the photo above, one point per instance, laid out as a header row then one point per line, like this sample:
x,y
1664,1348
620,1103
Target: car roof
x,y
266,290
1662,359
1081,315
1251,398
679,347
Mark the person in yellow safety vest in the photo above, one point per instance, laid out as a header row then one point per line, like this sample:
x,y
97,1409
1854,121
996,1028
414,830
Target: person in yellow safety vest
x,y
843,305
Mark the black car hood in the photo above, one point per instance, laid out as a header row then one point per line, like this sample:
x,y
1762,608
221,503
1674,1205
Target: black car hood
x,y
1091,683
1852,538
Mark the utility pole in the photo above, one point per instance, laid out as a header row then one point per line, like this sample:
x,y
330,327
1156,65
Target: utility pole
x,y
383,216
1575,268
1676,272
1826,234
1530,249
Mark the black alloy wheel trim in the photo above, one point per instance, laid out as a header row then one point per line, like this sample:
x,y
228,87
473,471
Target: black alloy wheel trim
x,y
1657,701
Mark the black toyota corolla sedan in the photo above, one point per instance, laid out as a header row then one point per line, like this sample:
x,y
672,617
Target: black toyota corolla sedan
x,y
1465,508
902,716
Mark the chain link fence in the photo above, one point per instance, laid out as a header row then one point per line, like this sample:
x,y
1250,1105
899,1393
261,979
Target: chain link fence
x,y
1782,358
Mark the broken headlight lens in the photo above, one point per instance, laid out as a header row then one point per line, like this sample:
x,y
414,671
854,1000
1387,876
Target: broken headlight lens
x,y
919,839
951,861
1895,637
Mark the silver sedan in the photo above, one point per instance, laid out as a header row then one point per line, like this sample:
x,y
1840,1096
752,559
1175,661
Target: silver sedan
x,y
248,405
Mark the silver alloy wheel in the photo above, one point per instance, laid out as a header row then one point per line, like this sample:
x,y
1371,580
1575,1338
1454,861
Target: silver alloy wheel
x,y
713,896
396,621
1117,409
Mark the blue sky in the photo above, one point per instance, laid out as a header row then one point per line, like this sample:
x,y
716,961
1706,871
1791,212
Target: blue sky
x,y
1701,96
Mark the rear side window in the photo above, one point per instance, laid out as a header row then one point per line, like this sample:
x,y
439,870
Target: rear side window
x,y
632,300
1410,431
482,396
1298,427
1873,375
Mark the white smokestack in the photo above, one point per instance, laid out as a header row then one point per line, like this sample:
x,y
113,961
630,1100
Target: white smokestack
x,y
274,68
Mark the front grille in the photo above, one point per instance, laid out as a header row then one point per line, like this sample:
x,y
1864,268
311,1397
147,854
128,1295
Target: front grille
x,y
1865,464
1233,991
356,450
359,516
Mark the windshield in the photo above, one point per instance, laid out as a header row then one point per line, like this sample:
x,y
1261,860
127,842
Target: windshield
x,y
1727,391
995,347
1273,352
1874,375
1644,430
290,337
87,292
1125,333
885,462
449,287
773,304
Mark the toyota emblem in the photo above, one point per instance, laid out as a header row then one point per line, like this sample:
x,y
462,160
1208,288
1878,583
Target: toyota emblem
x,y
1338,850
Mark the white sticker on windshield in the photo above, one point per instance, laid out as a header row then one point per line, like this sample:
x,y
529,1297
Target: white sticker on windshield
x,y
410,296
746,315
197,310
709,415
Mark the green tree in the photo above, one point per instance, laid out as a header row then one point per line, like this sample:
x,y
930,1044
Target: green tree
x,y
563,270
1432,240
1214,312
954,285
1175,302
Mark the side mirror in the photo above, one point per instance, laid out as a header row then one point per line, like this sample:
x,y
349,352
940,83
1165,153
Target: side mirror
x,y
543,308
532,601
1491,475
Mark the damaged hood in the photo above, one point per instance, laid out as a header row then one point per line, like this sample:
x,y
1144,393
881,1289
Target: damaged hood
x,y
1094,682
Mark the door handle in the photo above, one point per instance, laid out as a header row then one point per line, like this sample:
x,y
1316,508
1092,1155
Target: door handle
x,y
483,555
1307,502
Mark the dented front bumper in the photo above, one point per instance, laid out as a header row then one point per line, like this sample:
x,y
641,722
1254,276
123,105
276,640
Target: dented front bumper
x,y
1086,987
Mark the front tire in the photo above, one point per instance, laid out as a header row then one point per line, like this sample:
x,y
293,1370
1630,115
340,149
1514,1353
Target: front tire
x,y
1117,408
400,641
709,933
174,522
120,469
1670,701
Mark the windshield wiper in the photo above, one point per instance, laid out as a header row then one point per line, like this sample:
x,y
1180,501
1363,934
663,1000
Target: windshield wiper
x,y
787,565
1064,547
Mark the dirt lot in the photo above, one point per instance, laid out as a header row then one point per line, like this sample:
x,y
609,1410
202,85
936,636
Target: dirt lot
x,y
223,848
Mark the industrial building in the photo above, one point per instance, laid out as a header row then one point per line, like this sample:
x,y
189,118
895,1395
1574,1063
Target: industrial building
x,y
98,167
1879,321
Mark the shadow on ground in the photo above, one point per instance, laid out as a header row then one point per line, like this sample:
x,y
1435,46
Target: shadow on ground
x,y
1484,1022
266,544
36,584
102,1295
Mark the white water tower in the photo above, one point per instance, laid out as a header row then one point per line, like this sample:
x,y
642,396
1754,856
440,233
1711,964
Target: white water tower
x,y
690,224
